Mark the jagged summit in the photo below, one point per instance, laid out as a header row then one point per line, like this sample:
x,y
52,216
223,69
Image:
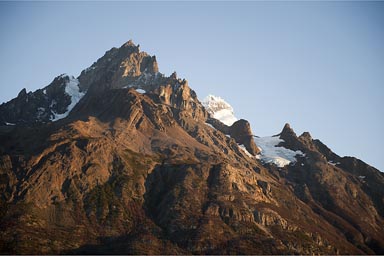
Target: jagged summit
x,y
287,131
119,68
50,103
22,93
129,43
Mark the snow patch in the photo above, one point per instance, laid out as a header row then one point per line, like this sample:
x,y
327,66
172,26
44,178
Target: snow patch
x,y
271,153
333,163
45,91
53,103
210,126
225,116
241,146
140,91
144,79
9,123
40,112
149,78
72,89
219,109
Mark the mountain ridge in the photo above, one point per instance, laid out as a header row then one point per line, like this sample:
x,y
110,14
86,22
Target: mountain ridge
x,y
140,166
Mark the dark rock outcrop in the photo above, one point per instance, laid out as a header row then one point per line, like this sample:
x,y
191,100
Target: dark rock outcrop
x,y
242,133
290,138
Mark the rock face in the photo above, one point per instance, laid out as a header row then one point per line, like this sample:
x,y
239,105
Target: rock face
x,y
120,67
241,132
140,166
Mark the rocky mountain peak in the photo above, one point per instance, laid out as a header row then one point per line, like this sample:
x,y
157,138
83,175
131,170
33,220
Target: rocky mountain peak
x,y
287,132
127,49
153,66
136,159
129,43
51,103
173,75
242,133
289,137
306,136
22,93
126,66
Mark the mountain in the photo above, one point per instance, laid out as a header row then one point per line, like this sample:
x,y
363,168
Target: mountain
x,y
219,109
126,160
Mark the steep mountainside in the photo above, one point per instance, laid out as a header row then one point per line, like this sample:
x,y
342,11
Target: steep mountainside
x,y
124,159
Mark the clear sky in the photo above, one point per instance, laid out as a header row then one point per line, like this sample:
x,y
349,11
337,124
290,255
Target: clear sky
x,y
316,65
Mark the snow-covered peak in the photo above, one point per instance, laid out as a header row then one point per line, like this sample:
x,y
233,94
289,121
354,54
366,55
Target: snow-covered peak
x,y
219,109
271,153
72,89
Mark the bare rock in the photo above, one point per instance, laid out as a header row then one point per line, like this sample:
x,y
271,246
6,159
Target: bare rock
x,y
242,133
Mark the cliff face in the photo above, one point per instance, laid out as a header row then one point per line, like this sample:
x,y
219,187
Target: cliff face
x,y
139,166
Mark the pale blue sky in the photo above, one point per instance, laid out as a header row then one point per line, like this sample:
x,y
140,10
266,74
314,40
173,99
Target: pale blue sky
x,y
316,65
